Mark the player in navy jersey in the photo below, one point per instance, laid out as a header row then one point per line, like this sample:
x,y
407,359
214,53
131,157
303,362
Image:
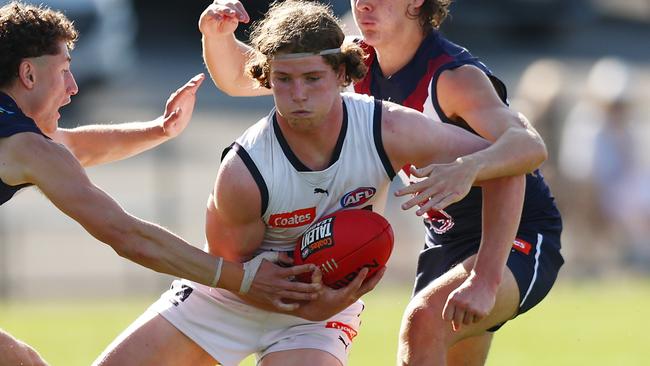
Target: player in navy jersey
x,y
35,81
410,62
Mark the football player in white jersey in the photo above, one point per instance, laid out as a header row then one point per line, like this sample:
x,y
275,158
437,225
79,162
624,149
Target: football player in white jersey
x,y
314,130
412,63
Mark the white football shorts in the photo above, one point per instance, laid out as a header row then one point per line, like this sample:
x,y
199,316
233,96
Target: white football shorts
x,y
230,330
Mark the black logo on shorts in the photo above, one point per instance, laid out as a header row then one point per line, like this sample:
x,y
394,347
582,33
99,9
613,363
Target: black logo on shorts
x,y
343,341
181,295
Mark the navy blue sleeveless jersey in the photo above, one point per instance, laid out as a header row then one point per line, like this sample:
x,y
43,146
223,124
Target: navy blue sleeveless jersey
x,y
13,121
414,86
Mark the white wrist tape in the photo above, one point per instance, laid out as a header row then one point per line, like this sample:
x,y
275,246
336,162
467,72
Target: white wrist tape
x,y
251,267
217,274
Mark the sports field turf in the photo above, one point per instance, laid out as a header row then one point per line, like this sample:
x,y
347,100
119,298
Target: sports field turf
x,y
580,324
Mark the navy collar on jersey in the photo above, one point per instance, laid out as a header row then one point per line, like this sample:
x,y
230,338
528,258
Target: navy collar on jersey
x,y
401,84
293,159
8,105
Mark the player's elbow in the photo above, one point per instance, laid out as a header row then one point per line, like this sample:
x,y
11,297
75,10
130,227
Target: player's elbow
x,y
539,152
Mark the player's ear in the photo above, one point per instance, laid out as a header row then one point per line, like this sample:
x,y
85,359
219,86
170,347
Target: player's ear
x,y
417,3
26,73
340,74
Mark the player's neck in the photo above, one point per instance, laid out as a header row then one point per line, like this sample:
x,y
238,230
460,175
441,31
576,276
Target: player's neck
x,y
314,146
21,99
394,55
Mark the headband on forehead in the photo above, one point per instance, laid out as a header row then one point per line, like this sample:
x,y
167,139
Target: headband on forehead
x,y
291,56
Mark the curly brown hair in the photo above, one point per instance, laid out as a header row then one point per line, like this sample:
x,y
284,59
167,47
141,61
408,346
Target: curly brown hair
x,y
30,31
296,26
431,14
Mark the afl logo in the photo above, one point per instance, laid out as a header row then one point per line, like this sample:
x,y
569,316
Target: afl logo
x,y
358,197
438,221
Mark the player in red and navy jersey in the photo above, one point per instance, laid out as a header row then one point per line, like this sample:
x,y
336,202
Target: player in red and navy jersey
x,y
462,292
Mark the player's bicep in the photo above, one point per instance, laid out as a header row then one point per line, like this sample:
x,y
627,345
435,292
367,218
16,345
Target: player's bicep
x,y
411,137
234,225
55,171
467,93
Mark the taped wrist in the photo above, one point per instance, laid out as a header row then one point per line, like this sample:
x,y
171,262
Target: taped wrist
x,y
251,267
217,274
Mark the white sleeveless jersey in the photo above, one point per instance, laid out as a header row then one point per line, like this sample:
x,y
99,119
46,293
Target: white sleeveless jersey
x,y
294,197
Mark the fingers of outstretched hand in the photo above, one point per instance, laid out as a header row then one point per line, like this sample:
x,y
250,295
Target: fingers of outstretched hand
x,y
421,172
437,202
192,85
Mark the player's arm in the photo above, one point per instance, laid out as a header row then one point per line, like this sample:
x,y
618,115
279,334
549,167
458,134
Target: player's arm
x,y
434,143
60,177
235,230
225,56
467,93
474,299
97,144
410,137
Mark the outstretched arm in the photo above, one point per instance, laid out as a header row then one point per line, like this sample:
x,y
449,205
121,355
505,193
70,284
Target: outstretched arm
x,y
98,144
225,56
49,166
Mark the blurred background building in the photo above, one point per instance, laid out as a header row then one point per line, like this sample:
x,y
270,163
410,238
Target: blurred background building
x,y
579,69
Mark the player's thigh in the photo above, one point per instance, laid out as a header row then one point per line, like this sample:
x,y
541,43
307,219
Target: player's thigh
x,y
152,340
300,357
434,297
506,304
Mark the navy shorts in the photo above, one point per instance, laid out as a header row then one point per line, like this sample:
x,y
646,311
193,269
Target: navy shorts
x,y
534,260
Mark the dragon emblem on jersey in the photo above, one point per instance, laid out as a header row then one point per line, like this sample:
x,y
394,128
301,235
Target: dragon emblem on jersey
x,y
439,221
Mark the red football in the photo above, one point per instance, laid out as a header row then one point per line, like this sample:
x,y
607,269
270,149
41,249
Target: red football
x,y
342,243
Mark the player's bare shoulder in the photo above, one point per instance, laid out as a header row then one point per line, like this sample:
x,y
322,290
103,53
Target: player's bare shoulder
x,y
236,192
22,153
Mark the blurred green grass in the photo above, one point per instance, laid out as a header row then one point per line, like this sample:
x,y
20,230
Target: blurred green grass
x,y
600,323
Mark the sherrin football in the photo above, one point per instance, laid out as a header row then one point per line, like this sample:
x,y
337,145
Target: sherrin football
x,y
344,242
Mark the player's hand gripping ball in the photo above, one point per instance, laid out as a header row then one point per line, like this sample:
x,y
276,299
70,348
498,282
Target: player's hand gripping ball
x,y
342,243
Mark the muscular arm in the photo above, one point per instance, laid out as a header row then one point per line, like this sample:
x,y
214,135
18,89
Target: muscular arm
x,y
98,144
410,137
59,176
224,56
467,93
234,225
